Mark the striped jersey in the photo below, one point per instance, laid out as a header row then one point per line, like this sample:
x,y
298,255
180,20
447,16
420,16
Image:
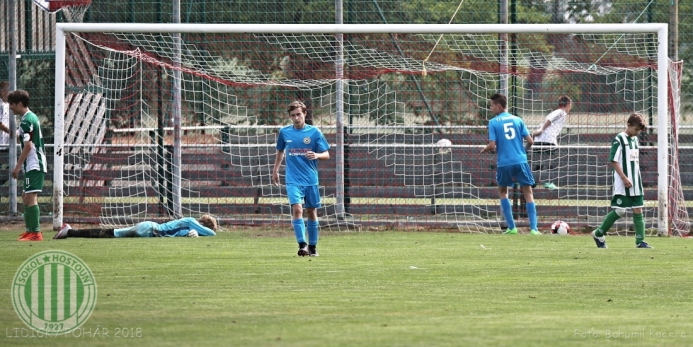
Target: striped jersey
x,y
625,150
30,130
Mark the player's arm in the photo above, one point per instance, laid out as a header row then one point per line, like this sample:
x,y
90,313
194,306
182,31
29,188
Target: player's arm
x,y
321,145
318,156
201,229
277,163
529,141
543,127
4,128
28,145
617,167
490,147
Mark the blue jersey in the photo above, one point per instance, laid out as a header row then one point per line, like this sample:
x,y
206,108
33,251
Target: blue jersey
x,y
508,132
295,143
181,227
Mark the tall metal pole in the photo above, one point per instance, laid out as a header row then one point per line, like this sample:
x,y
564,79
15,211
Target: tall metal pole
x,y
650,87
59,128
512,98
503,48
503,87
674,30
339,121
177,109
556,12
12,76
662,133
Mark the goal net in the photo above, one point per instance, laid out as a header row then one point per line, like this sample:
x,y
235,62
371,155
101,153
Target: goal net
x,y
161,121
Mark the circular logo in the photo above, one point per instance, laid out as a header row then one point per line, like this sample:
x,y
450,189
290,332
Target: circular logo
x,y
618,201
306,140
54,292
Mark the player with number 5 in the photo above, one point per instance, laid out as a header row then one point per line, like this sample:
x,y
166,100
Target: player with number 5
x,y
505,135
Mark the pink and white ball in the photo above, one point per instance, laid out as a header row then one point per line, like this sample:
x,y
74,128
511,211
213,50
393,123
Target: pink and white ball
x,y
560,228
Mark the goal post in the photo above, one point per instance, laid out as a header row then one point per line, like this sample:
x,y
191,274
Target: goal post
x,y
404,164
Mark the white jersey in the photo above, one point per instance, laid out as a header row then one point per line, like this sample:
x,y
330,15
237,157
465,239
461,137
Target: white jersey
x,y
5,119
625,150
550,134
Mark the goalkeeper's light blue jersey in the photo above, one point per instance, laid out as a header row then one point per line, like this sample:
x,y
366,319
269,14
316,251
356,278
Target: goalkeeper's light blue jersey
x,y
508,132
181,227
295,143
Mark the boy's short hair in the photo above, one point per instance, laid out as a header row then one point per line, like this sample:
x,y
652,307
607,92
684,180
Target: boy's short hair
x,y
297,104
637,119
208,221
18,96
499,99
564,101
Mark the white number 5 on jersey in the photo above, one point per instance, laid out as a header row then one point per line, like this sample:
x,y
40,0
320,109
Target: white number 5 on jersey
x,y
509,131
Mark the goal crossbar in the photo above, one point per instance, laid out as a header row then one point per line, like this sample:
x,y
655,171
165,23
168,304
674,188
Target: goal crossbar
x,y
363,28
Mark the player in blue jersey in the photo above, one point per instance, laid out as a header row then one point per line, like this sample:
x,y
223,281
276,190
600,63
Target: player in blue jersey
x,y
184,227
302,145
505,135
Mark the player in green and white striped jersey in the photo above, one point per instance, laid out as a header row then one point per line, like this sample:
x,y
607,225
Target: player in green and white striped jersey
x,y
32,160
628,192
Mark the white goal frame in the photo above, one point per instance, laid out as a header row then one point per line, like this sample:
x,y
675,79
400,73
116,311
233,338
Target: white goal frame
x,y
660,29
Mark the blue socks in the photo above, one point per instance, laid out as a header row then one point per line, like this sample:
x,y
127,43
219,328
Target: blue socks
x,y
532,214
312,232
299,230
508,213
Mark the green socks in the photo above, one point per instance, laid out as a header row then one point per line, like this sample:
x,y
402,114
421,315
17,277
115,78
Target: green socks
x,y
31,218
639,224
610,219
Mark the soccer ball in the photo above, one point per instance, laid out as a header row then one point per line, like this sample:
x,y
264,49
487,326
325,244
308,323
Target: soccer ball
x,y
444,145
560,228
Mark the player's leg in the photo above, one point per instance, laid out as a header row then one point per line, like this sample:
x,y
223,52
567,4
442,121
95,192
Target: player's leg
x,y
523,175
639,222
531,210
142,229
33,184
504,179
619,204
549,158
90,233
296,196
4,167
312,194
543,162
536,160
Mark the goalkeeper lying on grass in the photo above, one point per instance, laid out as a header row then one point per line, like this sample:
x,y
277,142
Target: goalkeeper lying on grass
x,y
189,227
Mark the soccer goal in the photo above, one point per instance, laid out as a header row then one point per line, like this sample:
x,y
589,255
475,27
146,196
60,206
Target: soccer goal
x,y
155,121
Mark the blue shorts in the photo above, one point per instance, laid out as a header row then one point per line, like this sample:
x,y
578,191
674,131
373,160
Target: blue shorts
x,y
142,229
309,196
521,173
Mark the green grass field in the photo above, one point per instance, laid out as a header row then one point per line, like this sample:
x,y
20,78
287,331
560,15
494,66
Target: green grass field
x,y
248,288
